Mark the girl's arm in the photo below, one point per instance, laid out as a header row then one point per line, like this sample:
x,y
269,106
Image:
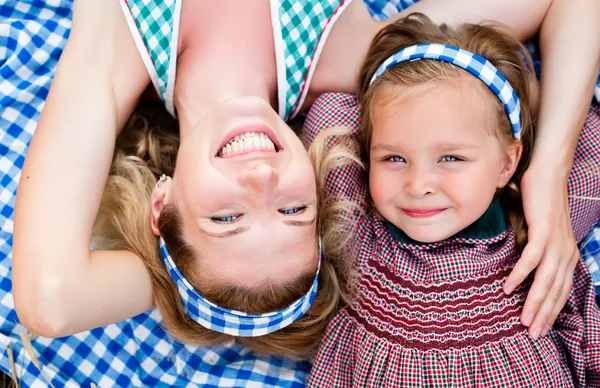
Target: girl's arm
x,y
570,48
60,286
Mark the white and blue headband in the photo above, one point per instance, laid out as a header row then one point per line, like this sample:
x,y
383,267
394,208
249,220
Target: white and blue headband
x,y
473,63
232,322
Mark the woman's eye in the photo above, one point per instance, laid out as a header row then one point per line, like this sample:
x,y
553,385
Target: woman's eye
x,y
396,159
228,219
450,158
293,210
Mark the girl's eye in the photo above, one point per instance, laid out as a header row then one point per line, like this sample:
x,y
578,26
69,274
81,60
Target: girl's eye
x,y
396,159
228,219
293,210
450,158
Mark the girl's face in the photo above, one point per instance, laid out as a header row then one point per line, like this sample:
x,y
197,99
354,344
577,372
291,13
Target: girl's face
x,y
435,161
245,188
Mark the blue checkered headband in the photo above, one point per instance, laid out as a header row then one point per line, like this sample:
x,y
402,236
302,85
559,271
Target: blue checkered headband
x,y
232,322
474,64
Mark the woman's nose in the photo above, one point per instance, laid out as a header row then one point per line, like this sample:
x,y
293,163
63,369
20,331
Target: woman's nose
x,y
260,177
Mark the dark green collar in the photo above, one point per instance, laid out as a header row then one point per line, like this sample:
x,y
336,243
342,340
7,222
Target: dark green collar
x,y
489,225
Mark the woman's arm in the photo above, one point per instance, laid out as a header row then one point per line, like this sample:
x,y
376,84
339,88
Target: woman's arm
x,y
570,48
60,286
349,40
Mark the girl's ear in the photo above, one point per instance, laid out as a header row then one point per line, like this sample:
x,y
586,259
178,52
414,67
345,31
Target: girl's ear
x,y
511,161
160,197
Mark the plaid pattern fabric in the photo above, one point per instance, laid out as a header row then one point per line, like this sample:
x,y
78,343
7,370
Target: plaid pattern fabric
x,y
156,22
474,64
435,314
236,323
303,26
133,353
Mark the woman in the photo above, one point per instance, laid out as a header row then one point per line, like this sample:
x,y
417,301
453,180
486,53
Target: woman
x,y
222,90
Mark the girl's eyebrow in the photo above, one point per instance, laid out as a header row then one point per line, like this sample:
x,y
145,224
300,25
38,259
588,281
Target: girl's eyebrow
x,y
454,146
383,147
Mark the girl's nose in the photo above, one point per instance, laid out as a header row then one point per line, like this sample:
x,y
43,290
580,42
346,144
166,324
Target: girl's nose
x,y
420,184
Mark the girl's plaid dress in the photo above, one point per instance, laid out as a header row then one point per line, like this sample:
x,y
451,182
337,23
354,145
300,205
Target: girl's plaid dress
x,y
435,314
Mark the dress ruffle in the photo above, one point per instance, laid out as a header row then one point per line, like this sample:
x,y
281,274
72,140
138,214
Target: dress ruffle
x,y
358,358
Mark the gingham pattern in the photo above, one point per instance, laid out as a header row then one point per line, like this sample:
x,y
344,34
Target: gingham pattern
x,y
473,63
304,26
133,353
300,31
236,323
384,9
435,314
157,23
590,252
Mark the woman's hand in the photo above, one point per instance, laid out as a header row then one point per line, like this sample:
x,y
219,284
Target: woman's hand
x,y
567,87
551,248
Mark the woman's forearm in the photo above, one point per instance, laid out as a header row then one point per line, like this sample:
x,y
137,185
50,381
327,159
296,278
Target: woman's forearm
x,y
59,286
351,36
570,48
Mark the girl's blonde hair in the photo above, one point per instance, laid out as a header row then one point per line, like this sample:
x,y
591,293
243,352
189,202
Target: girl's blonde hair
x,y
144,152
505,52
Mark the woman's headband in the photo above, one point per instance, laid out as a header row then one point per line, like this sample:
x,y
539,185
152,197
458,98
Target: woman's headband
x,y
232,322
474,64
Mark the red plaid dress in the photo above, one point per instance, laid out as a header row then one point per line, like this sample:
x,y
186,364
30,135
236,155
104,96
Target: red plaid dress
x,y
435,314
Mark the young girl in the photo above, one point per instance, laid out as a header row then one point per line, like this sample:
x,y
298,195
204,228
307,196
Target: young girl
x,y
447,135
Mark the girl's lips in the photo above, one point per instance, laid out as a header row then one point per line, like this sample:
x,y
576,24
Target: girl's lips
x,y
421,213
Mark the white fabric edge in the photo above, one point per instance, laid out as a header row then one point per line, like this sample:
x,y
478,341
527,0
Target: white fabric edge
x,y
142,49
279,57
172,71
311,71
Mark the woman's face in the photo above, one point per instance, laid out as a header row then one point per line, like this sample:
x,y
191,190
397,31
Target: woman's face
x,y
245,188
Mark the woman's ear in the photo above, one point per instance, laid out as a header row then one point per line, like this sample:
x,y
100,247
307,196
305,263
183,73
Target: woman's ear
x,y
511,161
160,197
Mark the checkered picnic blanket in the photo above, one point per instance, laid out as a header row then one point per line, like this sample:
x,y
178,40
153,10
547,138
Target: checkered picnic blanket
x,y
136,352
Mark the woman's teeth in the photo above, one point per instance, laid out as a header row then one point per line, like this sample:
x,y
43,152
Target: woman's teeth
x,y
248,142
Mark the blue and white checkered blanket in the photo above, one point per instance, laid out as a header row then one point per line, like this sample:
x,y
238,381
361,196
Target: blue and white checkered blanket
x,y
136,352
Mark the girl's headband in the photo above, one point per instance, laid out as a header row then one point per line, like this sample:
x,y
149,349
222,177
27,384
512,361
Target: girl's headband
x,y
474,64
232,322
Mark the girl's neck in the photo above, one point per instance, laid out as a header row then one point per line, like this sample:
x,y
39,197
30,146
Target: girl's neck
x,y
224,52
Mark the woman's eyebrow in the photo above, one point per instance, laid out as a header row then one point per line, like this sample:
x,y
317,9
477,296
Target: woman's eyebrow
x,y
300,223
228,233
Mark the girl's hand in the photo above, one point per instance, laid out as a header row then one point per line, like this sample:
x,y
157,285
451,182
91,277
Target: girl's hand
x,y
551,248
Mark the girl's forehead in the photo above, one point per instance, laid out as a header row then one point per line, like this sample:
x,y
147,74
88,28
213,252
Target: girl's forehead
x,y
440,112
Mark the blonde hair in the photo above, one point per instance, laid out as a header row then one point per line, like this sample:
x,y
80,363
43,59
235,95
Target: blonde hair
x,y
505,52
144,152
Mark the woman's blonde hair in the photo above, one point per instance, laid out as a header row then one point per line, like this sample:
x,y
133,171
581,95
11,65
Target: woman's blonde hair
x,y
144,152
505,52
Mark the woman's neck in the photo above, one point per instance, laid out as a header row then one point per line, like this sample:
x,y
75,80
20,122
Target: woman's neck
x,y
224,52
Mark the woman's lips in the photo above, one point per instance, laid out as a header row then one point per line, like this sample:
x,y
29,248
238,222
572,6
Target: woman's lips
x,y
422,213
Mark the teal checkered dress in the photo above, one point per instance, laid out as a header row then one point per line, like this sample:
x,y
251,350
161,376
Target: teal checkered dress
x,y
300,31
